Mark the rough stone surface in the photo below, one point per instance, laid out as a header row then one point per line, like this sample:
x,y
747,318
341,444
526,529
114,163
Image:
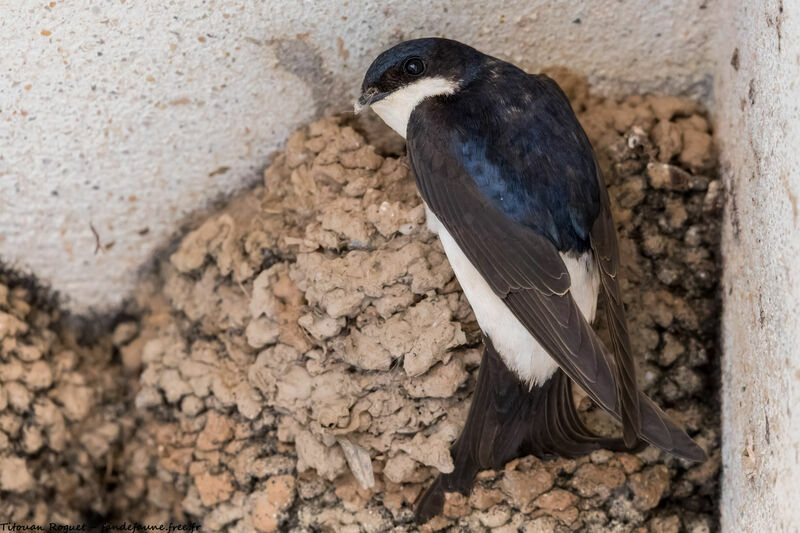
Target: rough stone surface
x,y
756,90
149,112
304,358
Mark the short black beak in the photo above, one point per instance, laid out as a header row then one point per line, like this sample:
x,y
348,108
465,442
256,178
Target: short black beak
x,y
368,97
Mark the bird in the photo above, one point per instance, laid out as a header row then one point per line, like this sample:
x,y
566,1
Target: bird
x,y
512,187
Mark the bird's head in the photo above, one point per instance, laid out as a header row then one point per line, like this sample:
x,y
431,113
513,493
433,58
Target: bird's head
x,y
406,74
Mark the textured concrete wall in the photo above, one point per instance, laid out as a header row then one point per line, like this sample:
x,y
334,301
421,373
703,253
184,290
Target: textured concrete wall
x,y
118,118
758,120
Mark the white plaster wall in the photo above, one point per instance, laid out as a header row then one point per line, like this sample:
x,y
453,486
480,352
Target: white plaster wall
x,y
757,92
124,116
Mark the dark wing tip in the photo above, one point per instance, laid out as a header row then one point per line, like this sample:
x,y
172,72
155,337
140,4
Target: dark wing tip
x,y
629,434
662,432
689,450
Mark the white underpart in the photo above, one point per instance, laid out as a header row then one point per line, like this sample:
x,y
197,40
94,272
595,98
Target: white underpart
x,y
395,109
518,348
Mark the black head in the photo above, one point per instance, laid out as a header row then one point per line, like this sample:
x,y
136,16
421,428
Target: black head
x,y
415,60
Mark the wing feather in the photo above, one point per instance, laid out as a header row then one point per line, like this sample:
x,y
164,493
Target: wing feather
x,y
525,269
603,239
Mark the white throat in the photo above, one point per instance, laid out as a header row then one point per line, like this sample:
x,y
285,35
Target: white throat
x,y
395,109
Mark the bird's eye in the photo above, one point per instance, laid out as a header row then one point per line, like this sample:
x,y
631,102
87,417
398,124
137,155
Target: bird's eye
x,y
414,66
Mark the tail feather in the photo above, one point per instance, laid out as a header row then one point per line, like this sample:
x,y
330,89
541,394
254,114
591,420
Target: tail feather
x,y
560,430
508,419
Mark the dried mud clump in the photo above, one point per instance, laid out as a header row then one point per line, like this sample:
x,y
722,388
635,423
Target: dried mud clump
x,y
65,413
320,355
319,348
305,357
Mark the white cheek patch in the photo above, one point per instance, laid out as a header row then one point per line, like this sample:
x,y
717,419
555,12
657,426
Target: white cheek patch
x,y
395,109
520,351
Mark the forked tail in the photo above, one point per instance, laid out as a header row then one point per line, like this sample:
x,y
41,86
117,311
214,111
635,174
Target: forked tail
x,y
508,419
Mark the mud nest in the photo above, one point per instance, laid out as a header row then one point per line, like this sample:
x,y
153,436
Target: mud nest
x,y
304,357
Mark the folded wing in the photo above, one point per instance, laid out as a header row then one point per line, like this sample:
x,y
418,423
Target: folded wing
x,y
526,271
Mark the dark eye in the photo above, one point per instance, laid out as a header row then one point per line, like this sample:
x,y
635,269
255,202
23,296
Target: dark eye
x,y
414,66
